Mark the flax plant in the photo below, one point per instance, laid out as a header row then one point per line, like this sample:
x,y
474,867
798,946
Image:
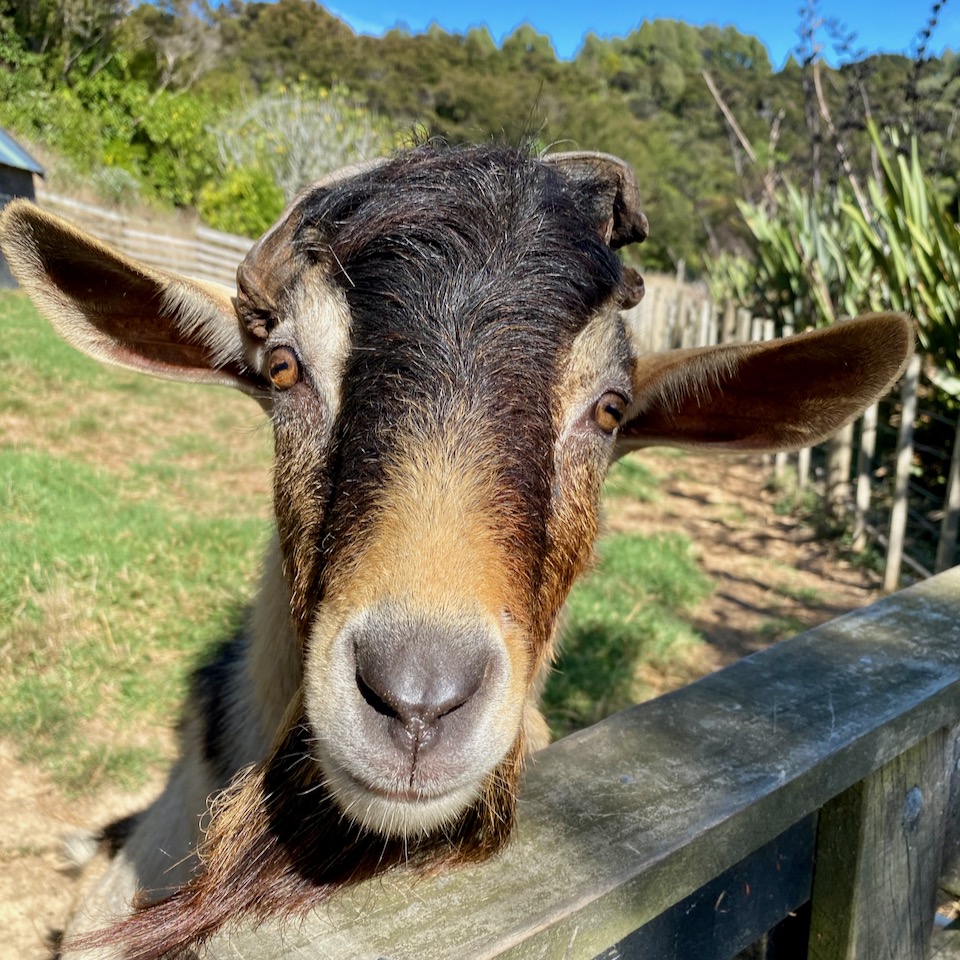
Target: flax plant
x,y
913,247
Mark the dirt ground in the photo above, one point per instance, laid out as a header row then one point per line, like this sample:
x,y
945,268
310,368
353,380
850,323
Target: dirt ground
x,y
773,577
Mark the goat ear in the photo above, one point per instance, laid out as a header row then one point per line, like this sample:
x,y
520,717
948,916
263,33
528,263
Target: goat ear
x,y
123,312
613,191
779,395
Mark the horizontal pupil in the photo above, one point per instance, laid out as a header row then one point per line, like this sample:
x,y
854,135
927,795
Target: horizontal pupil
x,y
279,367
614,412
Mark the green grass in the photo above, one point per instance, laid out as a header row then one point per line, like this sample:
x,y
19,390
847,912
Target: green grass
x,y
628,478
128,547
628,616
779,628
132,517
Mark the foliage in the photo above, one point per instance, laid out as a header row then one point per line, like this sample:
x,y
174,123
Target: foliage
x,y
913,247
75,37
142,88
296,136
809,268
245,201
731,277
821,255
111,121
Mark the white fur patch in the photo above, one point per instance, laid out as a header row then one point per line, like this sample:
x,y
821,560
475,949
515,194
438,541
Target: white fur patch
x,y
319,325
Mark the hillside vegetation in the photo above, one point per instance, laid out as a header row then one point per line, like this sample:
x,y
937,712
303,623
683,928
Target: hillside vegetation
x,y
224,108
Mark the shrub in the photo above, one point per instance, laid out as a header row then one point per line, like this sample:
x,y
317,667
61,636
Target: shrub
x,y
246,201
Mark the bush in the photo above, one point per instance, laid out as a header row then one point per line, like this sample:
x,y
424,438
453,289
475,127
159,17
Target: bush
x,y
246,201
299,135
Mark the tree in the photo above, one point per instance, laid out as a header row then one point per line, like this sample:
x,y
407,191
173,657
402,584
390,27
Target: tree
x,y
178,41
74,35
299,135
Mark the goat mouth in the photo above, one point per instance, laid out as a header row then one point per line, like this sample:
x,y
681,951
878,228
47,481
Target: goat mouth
x,y
399,811
408,794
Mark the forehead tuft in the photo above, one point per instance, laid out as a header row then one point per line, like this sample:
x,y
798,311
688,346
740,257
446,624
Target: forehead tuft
x,y
465,239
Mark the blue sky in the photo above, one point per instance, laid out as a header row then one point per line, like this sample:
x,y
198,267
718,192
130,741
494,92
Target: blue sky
x,y
880,25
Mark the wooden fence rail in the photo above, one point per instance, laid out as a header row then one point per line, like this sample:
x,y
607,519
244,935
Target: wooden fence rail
x,y
200,253
821,771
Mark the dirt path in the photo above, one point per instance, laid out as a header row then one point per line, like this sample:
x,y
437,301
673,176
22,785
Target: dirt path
x,y
773,578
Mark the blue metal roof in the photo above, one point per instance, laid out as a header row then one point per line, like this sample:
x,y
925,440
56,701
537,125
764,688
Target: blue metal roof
x,y
13,155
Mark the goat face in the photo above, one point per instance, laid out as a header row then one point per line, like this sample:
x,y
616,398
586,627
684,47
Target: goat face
x,y
448,363
438,342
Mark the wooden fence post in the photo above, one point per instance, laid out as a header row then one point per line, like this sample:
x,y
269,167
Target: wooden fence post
x,y
839,460
768,330
707,334
660,338
688,325
803,468
947,545
898,515
780,459
729,331
868,446
879,850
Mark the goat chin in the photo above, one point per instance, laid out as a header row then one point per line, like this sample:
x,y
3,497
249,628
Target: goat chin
x,y
407,814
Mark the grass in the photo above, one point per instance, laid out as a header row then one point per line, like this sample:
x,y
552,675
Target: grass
x,y
131,532
779,628
624,619
133,513
628,478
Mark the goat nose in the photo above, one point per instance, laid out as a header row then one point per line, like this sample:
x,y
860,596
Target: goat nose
x,y
415,676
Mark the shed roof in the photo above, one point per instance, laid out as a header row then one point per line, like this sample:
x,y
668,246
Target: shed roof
x,y
13,155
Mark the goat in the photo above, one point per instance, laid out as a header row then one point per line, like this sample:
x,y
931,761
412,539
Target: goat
x,y
437,339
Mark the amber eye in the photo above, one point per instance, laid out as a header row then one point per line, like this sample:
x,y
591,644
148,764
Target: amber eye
x,y
284,368
609,412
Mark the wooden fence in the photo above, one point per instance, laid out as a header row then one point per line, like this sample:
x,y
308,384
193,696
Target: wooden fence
x,y
917,529
808,794
200,253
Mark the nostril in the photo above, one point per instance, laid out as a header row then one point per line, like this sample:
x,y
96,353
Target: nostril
x,y
376,701
418,704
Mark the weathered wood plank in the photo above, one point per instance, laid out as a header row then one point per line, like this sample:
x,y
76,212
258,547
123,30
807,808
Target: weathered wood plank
x,y
735,909
950,868
878,859
621,821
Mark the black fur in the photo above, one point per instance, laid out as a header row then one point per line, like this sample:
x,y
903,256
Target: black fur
x,y
212,690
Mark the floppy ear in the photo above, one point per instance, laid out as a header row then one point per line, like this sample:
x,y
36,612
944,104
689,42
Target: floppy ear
x,y
612,190
778,395
123,312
